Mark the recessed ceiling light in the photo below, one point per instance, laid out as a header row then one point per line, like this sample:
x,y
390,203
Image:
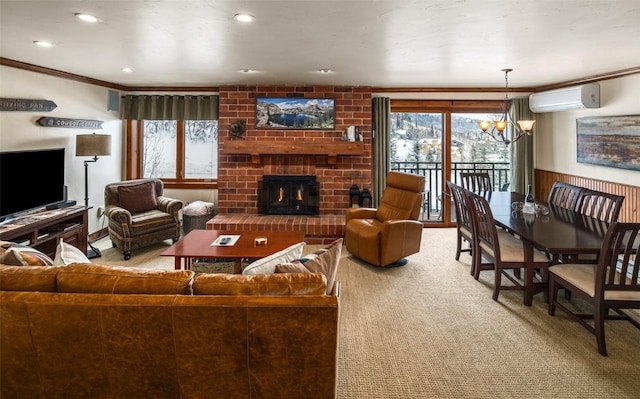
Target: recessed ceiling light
x,y
240,17
86,17
247,70
42,43
325,70
126,70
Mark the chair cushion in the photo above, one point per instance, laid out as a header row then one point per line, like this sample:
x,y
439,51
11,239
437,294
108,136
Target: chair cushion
x,y
150,221
512,250
138,197
466,232
324,260
22,255
583,277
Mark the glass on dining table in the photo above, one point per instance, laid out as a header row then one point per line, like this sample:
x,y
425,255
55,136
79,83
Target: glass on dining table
x,y
541,209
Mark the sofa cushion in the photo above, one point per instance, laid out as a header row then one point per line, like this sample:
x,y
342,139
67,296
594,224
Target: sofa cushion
x,y
324,260
260,284
100,279
267,265
67,254
138,197
28,278
22,255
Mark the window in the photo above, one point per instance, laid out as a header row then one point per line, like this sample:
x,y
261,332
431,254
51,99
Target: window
x,y
181,153
174,138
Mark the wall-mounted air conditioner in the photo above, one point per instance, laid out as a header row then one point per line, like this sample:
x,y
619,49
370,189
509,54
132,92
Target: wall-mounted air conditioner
x,y
576,97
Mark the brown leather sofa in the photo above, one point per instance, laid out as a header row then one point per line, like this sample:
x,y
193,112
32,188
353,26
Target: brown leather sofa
x,y
91,331
385,235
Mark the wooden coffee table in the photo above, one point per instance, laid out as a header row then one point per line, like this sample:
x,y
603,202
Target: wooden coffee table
x,y
197,244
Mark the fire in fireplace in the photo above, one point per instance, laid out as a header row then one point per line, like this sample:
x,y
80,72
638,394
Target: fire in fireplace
x,y
288,195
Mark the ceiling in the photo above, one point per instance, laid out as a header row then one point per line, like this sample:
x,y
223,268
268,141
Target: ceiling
x,y
378,43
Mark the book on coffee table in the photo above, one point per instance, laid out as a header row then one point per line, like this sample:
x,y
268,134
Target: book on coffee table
x,y
225,240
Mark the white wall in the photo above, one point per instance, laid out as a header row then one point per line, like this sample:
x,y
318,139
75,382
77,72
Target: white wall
x,y
555,133
75,100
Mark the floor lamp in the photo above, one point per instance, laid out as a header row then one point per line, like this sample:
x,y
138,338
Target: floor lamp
x,y
91,145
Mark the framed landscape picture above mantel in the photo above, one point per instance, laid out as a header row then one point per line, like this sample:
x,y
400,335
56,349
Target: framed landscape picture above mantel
x,y
295,113
609,141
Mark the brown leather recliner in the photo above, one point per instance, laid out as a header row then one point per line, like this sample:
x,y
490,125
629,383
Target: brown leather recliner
x,y
385,235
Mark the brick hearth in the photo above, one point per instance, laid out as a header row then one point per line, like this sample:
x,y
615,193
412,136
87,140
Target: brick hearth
x,y
317,229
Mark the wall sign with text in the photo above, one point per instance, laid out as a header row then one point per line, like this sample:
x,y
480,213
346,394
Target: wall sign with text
x,y
23,104
69,123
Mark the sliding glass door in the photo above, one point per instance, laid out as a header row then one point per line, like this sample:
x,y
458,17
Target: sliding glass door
x,y
440,140
416,147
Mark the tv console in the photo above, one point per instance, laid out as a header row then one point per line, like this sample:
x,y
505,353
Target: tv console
x,y
43,230
60,205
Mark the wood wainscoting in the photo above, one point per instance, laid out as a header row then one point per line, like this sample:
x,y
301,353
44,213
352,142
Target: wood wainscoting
x,y
629,212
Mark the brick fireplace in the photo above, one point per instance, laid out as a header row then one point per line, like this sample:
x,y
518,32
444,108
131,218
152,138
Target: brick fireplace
x,y
288,195
336,164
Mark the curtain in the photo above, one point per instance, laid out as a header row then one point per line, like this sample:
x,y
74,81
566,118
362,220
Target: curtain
x,y
155,107
381,145
522,150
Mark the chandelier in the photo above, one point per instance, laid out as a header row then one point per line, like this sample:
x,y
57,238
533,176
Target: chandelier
x,y
496,129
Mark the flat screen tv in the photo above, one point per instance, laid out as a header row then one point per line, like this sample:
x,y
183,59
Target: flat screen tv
x,y
23,190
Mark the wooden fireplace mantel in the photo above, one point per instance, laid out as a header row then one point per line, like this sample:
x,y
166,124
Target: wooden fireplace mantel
x,y
257,148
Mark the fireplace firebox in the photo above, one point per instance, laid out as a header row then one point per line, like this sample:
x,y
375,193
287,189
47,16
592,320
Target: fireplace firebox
x,y
288,195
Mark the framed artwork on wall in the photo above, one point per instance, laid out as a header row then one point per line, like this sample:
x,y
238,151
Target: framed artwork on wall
x,y
612,141
295,113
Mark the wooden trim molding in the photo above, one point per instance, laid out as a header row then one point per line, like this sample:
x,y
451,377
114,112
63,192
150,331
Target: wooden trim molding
x,y
533,89
629,213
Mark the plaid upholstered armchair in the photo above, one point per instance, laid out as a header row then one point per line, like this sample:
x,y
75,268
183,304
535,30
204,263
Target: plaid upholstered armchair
x,y
139,215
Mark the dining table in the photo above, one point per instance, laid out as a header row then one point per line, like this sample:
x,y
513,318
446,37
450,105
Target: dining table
x,y
555,230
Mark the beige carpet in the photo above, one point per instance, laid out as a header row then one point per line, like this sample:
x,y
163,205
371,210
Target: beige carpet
x,y
429,330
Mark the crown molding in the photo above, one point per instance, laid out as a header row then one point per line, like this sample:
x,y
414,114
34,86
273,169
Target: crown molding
x,y
65,75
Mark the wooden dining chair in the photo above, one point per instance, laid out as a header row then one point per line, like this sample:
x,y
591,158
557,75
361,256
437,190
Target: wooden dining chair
x,y
478,182
503,250
600,205
612,284
564,195
463,220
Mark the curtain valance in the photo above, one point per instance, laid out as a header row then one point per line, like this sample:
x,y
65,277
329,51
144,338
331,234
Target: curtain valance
x,y
156,107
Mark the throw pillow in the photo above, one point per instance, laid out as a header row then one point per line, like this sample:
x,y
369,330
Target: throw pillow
x,y
138,197
67,254
267,265
324,260
294,267
22,255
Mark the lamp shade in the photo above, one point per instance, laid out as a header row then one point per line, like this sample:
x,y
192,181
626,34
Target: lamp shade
x,y
93,144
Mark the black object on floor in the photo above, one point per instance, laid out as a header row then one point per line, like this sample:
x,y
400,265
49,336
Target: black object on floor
x,y
398,263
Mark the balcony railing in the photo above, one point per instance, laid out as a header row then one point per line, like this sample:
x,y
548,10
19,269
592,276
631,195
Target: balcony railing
x,y
499,172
